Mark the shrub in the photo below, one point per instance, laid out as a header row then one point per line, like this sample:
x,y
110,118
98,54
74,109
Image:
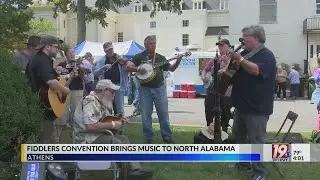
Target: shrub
x,y
20,116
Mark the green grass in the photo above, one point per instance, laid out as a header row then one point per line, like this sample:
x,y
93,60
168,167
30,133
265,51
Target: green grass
x,y
205,171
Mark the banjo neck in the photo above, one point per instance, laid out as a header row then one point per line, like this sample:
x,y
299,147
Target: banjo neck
x,y
164,62
171,59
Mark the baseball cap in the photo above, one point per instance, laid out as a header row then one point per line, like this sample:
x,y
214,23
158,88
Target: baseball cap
x,y
223,41
47,40
108,45
33,40
106,83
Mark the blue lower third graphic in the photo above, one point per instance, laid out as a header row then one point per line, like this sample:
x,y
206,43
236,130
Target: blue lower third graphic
x,y
146,157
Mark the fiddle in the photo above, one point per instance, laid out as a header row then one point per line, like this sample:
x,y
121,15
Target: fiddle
x,y
117,59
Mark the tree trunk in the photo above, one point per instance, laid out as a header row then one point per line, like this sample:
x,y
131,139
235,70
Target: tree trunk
x,y
81,21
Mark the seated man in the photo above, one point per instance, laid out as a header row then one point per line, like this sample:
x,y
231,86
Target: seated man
x,y
90,110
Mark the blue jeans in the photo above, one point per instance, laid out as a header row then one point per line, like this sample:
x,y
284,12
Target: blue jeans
x,y
136,88
158,97
294,90
119,102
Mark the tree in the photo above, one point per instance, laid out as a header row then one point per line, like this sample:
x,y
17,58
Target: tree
x,y
41,27
99,12
14,18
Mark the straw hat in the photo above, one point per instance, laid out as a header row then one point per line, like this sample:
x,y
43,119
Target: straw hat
x,y
208,131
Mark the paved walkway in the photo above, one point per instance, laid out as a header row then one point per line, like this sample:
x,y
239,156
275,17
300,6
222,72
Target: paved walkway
x,y
191,112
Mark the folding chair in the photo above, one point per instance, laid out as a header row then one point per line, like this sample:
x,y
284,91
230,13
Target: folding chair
x,y
276,139
292,116
119,171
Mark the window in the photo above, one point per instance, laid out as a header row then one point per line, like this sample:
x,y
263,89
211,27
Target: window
x,y
223,4
317,6
120,36
153,24
185,39
268,11
198,5
185,23
311,51
138,7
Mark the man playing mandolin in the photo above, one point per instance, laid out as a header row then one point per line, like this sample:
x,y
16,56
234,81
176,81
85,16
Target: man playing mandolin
x,y
154,91
94,108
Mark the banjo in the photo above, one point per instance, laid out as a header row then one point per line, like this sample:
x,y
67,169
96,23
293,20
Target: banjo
x,y
151,73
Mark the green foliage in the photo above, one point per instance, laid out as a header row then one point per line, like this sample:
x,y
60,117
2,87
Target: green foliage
x,y
14,18
20,117
102,6
41,27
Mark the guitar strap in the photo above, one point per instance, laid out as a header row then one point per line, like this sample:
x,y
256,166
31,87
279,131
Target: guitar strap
x,y
254,52
101,104
154,58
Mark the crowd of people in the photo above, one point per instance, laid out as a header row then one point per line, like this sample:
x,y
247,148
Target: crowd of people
x,y
282,79
97,92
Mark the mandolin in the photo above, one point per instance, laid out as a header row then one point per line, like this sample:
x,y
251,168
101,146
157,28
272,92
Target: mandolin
x,y
117,118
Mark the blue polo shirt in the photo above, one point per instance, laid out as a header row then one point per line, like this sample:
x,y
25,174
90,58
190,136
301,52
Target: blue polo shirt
x,y
255,94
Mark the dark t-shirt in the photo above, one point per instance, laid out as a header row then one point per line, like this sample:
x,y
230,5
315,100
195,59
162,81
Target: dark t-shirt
x,y
113,73
143,58
41,70
255,94
77,82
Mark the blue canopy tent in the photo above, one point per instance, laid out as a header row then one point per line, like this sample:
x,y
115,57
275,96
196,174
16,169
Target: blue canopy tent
x,y
126,49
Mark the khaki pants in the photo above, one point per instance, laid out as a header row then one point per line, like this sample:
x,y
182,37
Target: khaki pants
x,y
46,132
59,124
118,139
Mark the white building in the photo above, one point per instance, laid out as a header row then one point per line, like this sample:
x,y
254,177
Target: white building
x,y
286,22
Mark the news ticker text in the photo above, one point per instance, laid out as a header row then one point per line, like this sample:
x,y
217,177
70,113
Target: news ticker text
x,y
171,152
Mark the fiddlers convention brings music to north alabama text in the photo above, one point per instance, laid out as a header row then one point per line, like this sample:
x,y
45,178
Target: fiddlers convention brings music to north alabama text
x,y
170,152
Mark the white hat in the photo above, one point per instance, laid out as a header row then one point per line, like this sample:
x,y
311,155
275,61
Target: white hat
x,y
208,131
106,83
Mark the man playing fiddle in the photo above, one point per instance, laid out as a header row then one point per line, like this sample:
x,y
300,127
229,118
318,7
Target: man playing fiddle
x,y
93,108
114,69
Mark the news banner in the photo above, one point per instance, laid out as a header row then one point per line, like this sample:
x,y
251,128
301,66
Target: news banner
x,y
170,152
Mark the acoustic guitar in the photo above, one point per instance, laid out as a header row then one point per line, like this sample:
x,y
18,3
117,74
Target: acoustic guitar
x,y
55,100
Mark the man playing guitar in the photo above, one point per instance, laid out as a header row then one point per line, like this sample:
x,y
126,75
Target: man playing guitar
x,y
40,72
88,116
153,92
224,47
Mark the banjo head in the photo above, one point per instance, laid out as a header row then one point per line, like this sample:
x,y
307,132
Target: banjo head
x,y
149,72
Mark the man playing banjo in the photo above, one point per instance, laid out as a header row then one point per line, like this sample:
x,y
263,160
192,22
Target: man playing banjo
x,y
154,91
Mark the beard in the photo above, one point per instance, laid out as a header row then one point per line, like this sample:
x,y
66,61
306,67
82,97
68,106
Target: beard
x,y
107,101
52,54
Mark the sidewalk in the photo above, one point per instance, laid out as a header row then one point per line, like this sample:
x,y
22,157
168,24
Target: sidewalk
x,y
190,112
